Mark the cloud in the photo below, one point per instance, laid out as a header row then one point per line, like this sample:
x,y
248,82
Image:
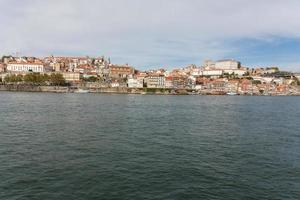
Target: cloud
x,y
146,33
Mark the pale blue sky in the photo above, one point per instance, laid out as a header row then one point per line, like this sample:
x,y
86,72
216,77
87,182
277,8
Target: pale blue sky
x,y
156,33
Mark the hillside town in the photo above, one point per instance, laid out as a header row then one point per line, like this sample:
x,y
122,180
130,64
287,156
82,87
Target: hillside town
x,y
91,74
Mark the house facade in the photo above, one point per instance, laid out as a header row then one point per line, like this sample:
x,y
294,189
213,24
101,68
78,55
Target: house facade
x,y
25,67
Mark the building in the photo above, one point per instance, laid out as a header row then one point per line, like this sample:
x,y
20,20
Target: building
x,y
263,79
115,84
246,86
218,85
282,88
202,81
135,83
227,64
85,69
155,81
212,72
196,72
25,67
116,71
66,63
179,81
232,86
169,82
209,64
141,77
56,67
72,76
239,72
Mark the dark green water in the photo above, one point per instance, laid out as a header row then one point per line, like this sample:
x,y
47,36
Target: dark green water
x,y
95,146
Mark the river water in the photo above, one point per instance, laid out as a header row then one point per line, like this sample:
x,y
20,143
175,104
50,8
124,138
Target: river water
x,y
97,146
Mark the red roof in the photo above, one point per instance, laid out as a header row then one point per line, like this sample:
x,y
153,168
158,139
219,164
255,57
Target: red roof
x,y
169,78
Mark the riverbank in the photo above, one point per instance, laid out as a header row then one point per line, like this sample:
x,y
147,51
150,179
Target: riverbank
x,y
124,90
72,89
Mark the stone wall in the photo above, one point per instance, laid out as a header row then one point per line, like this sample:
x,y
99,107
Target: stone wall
x,y
33,88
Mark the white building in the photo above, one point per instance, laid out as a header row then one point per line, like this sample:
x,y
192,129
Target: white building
x,y
212,72
25,67
115,84
196,72
263,79
279,80
239,72
227,64
134,83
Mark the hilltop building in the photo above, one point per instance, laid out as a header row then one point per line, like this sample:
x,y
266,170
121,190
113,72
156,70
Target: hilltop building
x,y
227,64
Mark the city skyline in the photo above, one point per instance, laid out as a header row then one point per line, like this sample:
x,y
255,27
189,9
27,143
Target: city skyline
x,y
156,33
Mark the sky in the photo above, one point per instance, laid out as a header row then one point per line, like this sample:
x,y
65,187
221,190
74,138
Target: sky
x,y
155,33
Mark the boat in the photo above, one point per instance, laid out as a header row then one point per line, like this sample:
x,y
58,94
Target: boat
x,y
231,93
81,91
192,93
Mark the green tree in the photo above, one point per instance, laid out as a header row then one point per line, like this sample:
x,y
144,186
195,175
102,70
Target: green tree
x,y
247,74
13,78
19,78
255,82
57,79
35,78
7,79
91,79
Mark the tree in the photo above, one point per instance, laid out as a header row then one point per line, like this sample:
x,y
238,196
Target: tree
x,y
19,78
36,78
247,74
6,79
255,82
91,79
57,79
13,78
295,81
